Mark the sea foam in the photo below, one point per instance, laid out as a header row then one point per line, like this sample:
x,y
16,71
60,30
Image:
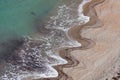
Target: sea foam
x,y
80,11
38,57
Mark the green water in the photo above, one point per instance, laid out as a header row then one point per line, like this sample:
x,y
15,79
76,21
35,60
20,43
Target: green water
x,y
18,17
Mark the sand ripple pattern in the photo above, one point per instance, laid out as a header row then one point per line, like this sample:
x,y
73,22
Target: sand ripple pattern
x,y
38,55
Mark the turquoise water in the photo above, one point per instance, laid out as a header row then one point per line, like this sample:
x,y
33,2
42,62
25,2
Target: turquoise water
x,y
17,17
38,54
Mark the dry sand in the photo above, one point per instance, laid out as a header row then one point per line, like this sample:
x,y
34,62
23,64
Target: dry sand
x,y
98,57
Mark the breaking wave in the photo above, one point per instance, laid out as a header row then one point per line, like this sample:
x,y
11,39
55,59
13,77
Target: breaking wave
x,y
38,55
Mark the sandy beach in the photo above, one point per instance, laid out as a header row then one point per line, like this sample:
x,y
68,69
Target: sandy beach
x,y
98,57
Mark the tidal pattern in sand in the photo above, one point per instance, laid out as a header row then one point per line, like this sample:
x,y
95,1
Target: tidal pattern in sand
x,y
40,52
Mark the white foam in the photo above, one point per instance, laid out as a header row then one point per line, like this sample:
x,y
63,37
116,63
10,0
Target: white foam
x,y
51,72
81,17
62,21
80,11
59,60
74,43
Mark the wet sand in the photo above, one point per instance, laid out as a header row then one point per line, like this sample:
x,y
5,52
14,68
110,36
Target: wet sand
x,y
74,33
98,57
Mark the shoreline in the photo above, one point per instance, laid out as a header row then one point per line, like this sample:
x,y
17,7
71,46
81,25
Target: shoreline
x,y
91,54
88,10
98,56
28,49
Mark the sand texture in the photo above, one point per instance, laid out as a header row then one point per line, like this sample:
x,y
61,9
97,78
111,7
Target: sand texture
x,y
98,57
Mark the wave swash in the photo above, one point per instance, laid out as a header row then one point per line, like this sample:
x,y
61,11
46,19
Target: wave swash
x,y
38,55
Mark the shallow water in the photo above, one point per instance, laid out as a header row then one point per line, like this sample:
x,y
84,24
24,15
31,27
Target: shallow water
x,y
40,51
18,17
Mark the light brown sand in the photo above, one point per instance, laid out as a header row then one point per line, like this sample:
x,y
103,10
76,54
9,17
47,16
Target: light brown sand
x,y
100,59
99,54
